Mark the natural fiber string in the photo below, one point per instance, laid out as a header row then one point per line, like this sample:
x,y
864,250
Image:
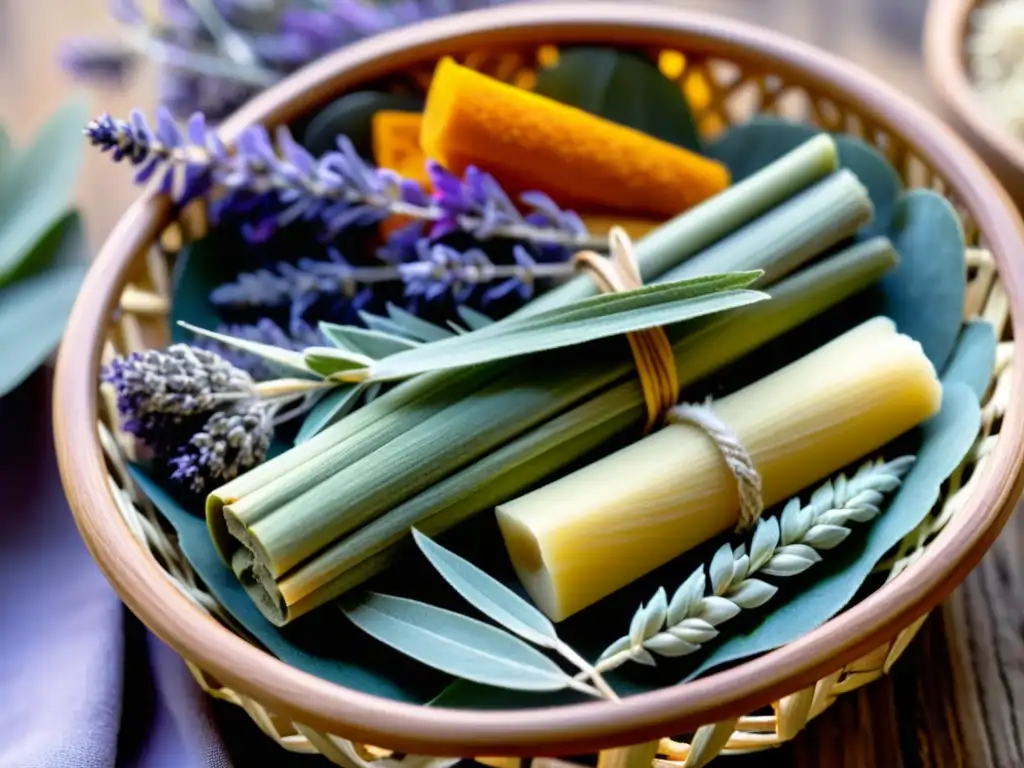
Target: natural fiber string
x,y
656,368
748,479
652,351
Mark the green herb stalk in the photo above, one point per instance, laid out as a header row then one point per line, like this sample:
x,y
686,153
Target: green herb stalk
x,y
538,389
310,463
541,452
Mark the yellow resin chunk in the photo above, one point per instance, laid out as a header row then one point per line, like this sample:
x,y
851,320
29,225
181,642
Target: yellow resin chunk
x,y
594,531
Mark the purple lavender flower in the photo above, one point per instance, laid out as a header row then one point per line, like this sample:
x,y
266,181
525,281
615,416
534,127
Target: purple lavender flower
x,y
340,188
231,442
97,61
158,393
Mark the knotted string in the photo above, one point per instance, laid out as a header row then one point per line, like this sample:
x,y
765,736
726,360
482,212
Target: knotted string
x,y
656,367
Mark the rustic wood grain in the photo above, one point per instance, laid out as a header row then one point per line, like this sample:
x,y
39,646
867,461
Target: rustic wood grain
x,y
957,696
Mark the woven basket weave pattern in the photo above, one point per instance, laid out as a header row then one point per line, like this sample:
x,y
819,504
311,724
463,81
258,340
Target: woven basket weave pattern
x,y
721,92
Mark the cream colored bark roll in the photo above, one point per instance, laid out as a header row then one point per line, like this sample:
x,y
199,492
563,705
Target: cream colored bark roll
x,y
590,533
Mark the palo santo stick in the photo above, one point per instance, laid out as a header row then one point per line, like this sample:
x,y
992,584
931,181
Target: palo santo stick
x,y
531,141
590,533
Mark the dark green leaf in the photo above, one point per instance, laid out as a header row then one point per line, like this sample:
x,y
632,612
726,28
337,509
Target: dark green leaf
x,y
333,406
370,343
33,310
352,115
925,293
328,361
750,146
945,440
487,594
974,357
624,88
36,188
455,644
198,269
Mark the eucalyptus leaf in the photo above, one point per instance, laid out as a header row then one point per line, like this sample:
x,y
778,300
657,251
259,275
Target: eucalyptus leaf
x,y
624,88
455,644
34,310
590,320
750,146
488,595
284,358
36,188
333,406
925,293
368,342
944,442
974,357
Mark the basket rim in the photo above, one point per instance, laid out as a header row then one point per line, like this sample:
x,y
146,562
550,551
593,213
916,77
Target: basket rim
x,y
578,728
946,25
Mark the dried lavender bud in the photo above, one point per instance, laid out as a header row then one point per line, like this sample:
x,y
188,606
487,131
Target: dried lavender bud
x,y
231,441
158,391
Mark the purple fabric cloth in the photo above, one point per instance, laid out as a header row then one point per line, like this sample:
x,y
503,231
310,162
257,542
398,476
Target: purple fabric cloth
x,y
82,683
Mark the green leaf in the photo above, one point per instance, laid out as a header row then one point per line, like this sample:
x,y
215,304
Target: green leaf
x,y
385,325
945,441
34,310
474,320
352,116
750,146
327,361
368,342
333,406
974,357
325,645
595,318
624,88
36,188
284,358
925,293
455,644
416,328
488,595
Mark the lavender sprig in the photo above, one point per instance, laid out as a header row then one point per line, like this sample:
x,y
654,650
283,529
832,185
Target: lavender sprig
x,y
214,55
205,419
339,188
439,269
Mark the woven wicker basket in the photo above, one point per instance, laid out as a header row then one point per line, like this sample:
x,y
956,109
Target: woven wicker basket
x,y
729,70
947,24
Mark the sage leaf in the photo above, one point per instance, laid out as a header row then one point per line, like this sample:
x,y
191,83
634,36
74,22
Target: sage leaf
x,y
384,325
655,612
36,188
455,644
764,541
285,358
945,440
687,597
334,405
669,645
636,310
624,88
488,595
371,343
720,569
34,310
752,593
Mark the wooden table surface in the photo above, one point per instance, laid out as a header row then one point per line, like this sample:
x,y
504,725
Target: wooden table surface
x,y
956,698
